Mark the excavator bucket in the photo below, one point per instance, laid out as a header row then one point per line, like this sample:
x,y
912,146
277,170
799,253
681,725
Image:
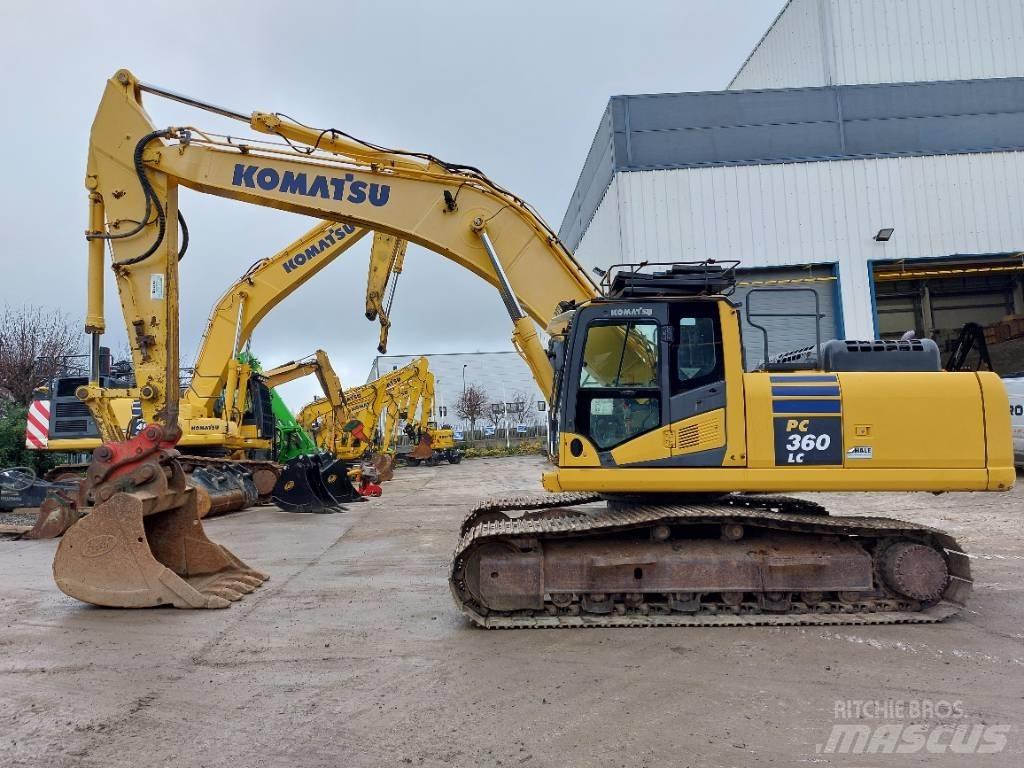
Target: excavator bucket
x,y
335,478
301,488
384,465
422,451
142,543
57,513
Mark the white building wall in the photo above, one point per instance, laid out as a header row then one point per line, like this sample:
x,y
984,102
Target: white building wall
x,y
790,53
850,42
602,240
828,212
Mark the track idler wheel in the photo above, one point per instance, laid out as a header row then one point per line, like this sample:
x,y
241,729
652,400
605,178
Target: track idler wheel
x,y
301,489
914,570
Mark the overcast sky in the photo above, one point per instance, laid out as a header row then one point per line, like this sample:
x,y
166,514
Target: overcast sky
x,y
515,89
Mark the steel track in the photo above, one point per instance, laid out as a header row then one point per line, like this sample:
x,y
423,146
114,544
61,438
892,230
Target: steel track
x,y
560,516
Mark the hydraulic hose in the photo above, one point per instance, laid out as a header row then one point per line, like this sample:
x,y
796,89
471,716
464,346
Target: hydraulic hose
x,y
152,201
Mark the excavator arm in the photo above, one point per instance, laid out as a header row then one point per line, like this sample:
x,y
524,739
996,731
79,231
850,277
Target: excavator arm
x,y
135,170
235,316
387,258
319,364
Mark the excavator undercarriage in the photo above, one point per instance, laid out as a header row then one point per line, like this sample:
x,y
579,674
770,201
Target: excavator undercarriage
x,y
571,560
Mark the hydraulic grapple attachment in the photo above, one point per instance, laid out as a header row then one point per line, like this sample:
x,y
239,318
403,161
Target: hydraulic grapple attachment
x,y
142,543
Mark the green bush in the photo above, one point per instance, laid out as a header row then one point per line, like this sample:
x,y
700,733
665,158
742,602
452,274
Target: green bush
x,y
525,448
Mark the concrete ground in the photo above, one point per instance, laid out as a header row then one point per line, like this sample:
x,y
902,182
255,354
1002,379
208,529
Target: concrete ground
x,y
354,655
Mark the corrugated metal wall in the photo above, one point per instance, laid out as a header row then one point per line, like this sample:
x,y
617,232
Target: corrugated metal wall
x,y
846,42
502,375
790,54
783,214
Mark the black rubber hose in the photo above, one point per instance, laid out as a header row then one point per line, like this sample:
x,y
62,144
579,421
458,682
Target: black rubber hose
x,y
151,200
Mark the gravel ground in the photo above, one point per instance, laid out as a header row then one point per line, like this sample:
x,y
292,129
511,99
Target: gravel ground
x,y
354,655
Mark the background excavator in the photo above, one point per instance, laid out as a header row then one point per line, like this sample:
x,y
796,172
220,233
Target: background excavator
x,y
431,444
362,425
663,445
312,480
230,438
296,447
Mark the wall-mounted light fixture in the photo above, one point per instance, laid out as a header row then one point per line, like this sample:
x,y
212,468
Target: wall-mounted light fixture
x,y
884,234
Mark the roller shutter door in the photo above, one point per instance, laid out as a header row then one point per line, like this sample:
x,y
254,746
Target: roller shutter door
x,y
786,333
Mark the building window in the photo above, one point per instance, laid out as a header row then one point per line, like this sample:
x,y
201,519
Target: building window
x,y
541,406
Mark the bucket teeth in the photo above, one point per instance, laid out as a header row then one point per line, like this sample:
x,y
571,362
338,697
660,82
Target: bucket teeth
x,y
251,580
227,594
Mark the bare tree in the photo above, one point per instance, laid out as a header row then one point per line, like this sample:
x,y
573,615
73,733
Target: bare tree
x,y
35,343
496,414
519,408
471,405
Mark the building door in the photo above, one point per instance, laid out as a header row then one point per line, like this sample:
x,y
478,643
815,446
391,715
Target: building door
x,y
935,298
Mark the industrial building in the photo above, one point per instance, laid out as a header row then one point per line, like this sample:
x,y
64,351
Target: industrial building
x,y
868,151
503,376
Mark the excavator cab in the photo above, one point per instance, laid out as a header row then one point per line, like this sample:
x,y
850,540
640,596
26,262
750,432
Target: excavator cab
x,y
637,361
657,417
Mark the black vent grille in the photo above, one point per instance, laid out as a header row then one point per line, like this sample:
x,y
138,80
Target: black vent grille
x,y
884,345
71,410
77,427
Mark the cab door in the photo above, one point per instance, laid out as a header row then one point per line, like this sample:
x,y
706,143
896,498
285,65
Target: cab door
x,y
696,385
614,384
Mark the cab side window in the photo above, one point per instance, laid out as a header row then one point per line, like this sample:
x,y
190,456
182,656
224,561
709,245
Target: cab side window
x,y
698,351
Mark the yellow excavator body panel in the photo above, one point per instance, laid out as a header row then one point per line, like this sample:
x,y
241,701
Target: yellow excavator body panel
x,y
815,431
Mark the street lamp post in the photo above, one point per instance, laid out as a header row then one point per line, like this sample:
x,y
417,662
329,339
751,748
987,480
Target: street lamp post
x,y
464,366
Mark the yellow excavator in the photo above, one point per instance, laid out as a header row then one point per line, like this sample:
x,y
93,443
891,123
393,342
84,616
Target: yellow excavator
x,y
664,448
229,431
431,444
362,425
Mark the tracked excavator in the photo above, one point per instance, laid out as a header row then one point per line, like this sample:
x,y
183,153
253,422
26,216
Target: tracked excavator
x,y
665,451
432,444
362,426
312,479
228,415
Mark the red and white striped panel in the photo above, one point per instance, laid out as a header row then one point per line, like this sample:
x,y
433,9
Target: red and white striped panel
x,y
37,426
